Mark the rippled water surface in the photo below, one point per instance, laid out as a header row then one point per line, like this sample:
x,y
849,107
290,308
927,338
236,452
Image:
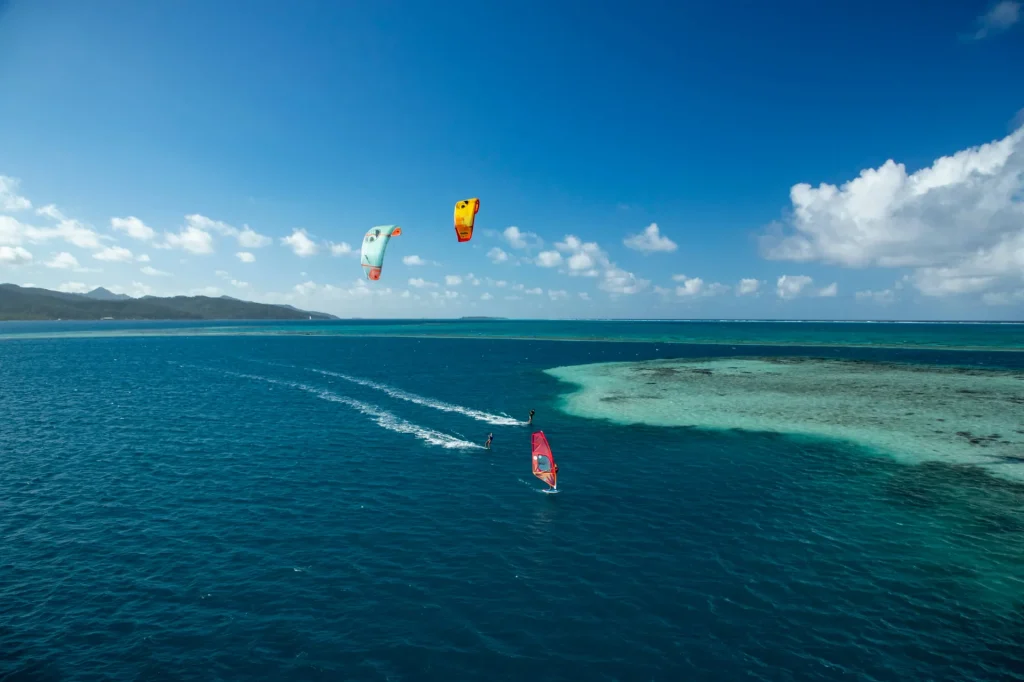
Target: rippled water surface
x,y
307,508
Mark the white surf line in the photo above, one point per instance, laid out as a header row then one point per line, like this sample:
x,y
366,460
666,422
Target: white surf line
x,y
383,418
479,415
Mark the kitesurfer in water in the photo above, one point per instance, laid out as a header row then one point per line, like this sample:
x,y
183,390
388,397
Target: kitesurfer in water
x,y
531,417
490,437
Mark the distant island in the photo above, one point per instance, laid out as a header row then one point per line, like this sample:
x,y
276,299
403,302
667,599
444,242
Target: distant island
x,y
481,317
29,303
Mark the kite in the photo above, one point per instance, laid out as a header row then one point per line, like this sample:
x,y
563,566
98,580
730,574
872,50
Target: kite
x,y
374,243
465,216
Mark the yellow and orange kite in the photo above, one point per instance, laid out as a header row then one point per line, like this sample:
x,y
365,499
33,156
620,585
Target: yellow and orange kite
x,y
465,216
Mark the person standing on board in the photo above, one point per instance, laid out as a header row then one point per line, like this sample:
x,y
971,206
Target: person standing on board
x,y
490,437
531,417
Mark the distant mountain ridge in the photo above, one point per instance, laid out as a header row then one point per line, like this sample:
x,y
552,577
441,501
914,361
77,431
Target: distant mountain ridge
x,y
101,294
31,303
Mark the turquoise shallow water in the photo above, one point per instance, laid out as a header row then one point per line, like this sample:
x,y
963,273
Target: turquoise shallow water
x,y
210,507
915,412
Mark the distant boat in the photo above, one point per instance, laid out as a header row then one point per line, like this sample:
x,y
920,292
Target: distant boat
x,y
106,318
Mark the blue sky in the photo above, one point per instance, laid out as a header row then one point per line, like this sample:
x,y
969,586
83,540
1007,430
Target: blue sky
x,y
139,139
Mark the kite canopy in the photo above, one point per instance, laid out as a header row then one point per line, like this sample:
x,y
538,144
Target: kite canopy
x,y
543,461
375,241
465,216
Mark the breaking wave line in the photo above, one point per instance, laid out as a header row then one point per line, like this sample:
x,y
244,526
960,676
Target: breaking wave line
x,y
383,418
496,419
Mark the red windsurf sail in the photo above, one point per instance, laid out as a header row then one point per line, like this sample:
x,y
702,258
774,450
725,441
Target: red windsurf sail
x,y
544,466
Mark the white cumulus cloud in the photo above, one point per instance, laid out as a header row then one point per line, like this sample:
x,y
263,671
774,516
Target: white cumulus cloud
x,y
549,259
15,255
791,286
73,287
340,249
452,280
747,286
1004,297
485,296
420,283
10,200
15,233
153,272
584,257
305,288
615,280
557,295
300,243
134,228
695,286
245,257
191,239
63,261
536,291
589,260
959,223
650,241
51,211
138,290
248,238
115,254
691,286
518,239
497,255
413,260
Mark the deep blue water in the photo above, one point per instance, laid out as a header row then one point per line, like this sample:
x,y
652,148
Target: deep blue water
x,y
209,508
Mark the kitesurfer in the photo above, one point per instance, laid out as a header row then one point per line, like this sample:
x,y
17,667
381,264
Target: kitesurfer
x,y
531,417
490,437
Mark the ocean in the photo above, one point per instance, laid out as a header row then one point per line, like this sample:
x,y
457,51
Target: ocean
x,y
312,501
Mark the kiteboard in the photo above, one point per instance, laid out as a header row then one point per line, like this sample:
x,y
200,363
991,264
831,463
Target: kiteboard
x,y
544,466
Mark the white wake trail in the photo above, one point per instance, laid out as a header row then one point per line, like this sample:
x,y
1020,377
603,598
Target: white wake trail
x,y
383,418
479,415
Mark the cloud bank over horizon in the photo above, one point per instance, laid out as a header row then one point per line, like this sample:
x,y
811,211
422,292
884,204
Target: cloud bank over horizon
x,y
951,230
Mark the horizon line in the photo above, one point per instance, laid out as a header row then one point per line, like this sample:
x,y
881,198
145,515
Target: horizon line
x,y
565,319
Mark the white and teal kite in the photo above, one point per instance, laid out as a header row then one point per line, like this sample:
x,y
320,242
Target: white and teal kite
x,y
374,243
